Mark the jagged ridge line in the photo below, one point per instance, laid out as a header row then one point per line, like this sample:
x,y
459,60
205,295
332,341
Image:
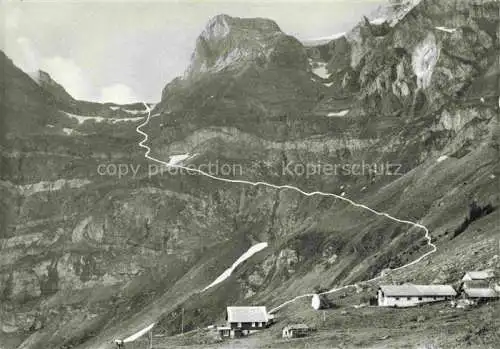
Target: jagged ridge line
x,y
285,186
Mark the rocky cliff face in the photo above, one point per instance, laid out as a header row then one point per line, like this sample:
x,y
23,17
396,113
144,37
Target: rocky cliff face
x,y
53,242
96,241
231,43
412,68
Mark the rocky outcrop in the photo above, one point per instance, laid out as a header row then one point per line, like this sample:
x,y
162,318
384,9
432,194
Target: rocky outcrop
x,y
52,88
231,43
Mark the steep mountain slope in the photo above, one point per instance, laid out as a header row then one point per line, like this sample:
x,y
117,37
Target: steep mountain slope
x,y
87,256
403,108
52,246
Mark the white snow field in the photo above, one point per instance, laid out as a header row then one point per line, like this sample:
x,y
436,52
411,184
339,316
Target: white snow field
x,y
227,273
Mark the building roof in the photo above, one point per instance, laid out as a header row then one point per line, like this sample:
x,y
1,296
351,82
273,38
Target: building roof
x,y
480,293
418,290
479,275
296,327
247,314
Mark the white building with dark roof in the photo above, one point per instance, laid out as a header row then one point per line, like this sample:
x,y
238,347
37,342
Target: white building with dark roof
x,y
246,319
409,295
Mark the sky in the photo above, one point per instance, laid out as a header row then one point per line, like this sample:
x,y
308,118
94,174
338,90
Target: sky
x,y
127,51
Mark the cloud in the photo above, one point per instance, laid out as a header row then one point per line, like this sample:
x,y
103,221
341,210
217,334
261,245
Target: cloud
x,y
67,73
23,53
12,18
118,93
63,70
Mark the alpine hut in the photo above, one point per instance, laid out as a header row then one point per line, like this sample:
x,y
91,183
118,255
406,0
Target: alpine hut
x,y
409,295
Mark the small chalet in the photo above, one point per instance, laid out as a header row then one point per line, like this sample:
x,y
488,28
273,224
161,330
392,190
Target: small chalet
x,y
296,331
480,294
247,319
479,275
481,279
409,295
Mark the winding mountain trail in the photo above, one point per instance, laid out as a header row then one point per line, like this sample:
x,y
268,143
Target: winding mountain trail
x,y
274,186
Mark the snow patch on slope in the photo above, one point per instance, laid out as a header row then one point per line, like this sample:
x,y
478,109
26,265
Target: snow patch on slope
x,y
340,113
81,119
378,21
448,30
227,273
424,59
134,112
68,131
175,159
136,335
442,158
116,120
33,188
321,70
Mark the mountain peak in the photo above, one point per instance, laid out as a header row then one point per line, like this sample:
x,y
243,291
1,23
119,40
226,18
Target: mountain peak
x,y
217,27
47,83
229,41
222,23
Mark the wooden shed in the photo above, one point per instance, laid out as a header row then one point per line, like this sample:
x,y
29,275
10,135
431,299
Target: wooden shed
x,y
296,331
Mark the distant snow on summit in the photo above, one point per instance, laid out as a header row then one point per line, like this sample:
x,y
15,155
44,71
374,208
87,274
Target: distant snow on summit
x,y
322,40
393,12
390,13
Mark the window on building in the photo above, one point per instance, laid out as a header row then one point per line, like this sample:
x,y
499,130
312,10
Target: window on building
x,y
434,297
408,298
397,298
419,298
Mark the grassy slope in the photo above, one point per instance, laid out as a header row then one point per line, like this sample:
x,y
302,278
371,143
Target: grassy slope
x,y
427,327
